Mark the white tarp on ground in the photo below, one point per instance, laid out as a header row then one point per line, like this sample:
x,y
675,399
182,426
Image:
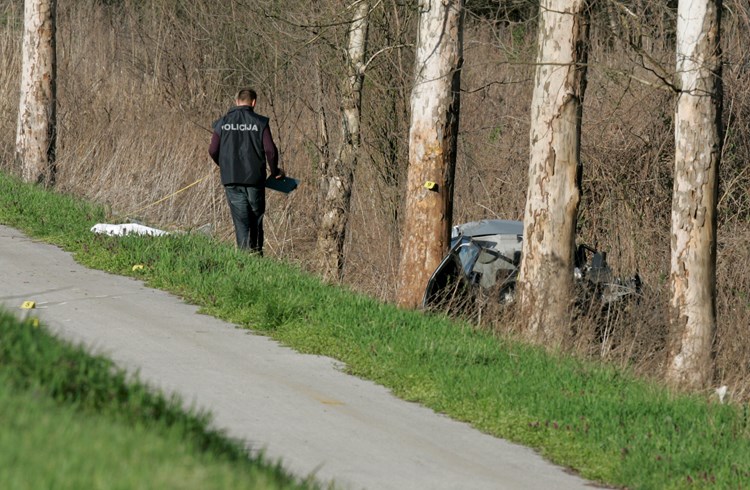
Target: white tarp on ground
x,y
126,229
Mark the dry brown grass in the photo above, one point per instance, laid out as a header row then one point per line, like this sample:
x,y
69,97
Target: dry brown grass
x,y
10,51
139,87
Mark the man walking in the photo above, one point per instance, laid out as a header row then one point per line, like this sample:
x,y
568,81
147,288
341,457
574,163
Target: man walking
x,y
241,145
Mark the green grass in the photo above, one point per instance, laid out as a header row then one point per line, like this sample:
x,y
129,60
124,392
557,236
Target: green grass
x,y
600,421
72,420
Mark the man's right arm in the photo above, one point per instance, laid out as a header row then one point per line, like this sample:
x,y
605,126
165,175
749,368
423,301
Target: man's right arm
x,y
214,147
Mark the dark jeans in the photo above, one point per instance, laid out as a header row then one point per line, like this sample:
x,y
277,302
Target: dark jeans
x,y
247,205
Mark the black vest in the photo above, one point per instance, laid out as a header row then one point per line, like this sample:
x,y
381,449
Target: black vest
x,y
242,159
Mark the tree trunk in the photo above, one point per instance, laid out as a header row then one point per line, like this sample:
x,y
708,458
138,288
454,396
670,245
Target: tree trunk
x,y
432,146
36,131
553,194
322,136
698,141
338,186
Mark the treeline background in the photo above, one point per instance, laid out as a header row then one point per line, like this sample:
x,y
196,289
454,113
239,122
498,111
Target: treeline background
x,y
141,81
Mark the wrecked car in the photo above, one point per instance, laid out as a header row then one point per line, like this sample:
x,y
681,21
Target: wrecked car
x,y
484,259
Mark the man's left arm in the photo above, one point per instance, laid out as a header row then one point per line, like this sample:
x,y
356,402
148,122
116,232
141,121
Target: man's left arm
x,y
272,154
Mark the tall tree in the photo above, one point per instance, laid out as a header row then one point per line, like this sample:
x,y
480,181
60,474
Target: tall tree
x,y
322,139
553,193
339,176
698,143
36,131
433,137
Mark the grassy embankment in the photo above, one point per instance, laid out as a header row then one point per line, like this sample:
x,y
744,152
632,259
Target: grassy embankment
x,y
599,420
73,420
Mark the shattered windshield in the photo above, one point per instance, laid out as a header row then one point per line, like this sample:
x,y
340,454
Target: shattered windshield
x,y
467,254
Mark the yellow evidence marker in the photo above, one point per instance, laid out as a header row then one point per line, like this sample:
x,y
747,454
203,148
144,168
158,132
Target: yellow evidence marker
x,y
27,306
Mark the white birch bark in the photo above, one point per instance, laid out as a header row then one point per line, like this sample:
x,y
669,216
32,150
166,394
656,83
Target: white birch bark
x,y
36,130
698,144
553,194
340,175
432,146
322,139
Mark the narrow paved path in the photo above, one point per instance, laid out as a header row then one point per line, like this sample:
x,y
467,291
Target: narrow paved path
x,y
301,409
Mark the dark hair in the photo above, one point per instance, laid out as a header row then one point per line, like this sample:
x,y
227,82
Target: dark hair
x,y
247,95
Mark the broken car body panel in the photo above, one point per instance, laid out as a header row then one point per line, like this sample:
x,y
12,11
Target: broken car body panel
x,y
486,255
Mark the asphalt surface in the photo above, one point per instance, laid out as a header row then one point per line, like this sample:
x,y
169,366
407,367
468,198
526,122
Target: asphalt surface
x,y
298,408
